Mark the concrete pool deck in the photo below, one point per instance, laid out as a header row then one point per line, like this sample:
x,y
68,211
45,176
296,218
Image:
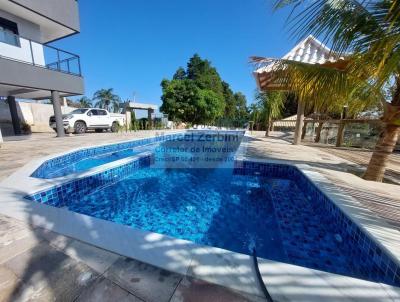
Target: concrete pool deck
x,y
91,272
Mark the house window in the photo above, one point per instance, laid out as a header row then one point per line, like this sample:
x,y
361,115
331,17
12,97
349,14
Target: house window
x,y
9,32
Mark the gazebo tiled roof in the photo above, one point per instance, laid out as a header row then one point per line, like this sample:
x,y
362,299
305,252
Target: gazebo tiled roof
x,y
310,50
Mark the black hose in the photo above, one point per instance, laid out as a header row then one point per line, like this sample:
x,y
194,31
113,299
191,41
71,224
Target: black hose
x,y
260,280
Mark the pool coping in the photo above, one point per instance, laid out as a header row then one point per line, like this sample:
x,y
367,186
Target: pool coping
x,y
215,265
33,184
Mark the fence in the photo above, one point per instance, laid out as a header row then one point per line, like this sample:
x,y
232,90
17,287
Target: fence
x,y
359,133
20,49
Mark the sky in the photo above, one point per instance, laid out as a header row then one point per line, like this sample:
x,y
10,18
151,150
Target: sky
x,y
131,45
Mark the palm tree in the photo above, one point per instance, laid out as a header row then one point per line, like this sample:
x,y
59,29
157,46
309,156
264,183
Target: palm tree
x,y
84,102
366,35
106,99
272,104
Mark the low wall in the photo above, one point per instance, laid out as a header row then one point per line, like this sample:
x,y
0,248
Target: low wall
x,y
34,114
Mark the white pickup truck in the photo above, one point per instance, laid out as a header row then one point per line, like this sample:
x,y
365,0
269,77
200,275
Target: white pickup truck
x,y
82,119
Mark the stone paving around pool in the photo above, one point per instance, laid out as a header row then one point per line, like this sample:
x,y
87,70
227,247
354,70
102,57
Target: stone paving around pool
x,y
39,265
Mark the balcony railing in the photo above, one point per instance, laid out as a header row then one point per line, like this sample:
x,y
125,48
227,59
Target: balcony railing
x,y
17,48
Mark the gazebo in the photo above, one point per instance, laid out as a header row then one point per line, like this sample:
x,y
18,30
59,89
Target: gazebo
x,y
129,106
310,51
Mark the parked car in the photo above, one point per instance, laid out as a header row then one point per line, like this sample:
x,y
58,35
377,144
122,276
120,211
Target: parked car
x,y
83,119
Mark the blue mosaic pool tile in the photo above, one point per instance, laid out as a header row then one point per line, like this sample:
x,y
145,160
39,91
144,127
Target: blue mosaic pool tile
x,y
367,257
75,156
57,195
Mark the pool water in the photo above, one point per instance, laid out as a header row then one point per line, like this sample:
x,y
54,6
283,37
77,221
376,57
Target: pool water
x,y
179,150
205,206
215,207
95,161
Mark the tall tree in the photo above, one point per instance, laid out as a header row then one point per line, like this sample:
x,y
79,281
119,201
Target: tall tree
x,y
106,99
198,95
179,99
241,111
365,33
203,74
209,106
230,101
180,74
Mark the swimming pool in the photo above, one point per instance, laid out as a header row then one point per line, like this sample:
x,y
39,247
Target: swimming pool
x,y
234,206
95,161
171,148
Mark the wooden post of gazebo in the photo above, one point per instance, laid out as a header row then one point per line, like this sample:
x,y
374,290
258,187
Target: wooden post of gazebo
x,y
340,134
299,124
342,125
319,130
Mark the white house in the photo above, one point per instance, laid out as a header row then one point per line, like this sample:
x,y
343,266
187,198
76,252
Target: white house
x,y
31,68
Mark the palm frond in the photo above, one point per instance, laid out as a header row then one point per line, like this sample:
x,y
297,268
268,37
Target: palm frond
x,y
270,104
341,23
369,29
106,98
312,83
325,88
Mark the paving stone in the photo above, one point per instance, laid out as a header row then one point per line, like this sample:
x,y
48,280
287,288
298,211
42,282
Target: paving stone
x,y
15,238
56,240
49,274
12,229
17,247
144,281
193,290
103,290
98,259
8,283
